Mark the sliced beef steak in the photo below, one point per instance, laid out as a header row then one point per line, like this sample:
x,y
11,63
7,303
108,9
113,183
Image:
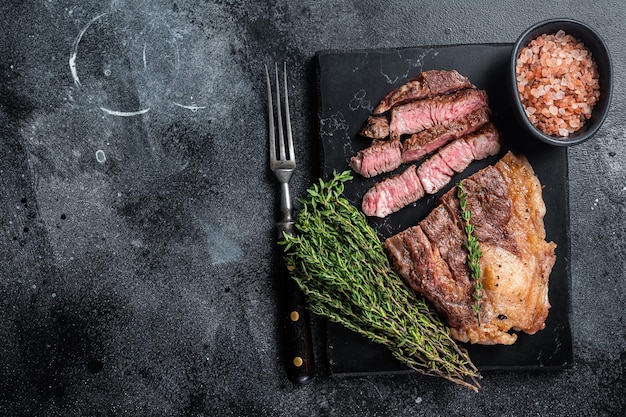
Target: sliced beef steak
x,y
385,156
436,172
429,140
381,156
425,85
376,127
458,155
418,115
392,194
507,213
396,192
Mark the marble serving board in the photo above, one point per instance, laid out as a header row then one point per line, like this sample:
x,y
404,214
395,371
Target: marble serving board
x,y
350,84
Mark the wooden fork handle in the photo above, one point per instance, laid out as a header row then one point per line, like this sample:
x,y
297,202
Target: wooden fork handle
x,y
297,340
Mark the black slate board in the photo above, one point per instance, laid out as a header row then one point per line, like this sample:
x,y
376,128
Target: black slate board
x,y
351,83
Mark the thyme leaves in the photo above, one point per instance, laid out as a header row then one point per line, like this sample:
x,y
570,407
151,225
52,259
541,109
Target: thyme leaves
x,y
473,251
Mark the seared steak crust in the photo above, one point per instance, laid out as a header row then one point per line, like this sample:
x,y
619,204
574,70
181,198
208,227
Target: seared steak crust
x,y
425,85
443,228
376,127
507,213
420,263
488,200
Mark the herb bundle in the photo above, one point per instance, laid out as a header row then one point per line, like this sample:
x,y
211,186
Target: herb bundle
x,y
340,264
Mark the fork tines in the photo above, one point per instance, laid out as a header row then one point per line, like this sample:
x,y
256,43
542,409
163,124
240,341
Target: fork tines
x,y
286,156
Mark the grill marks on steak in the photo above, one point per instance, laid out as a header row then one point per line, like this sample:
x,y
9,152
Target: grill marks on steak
x,y
396,192
425,85
507,213
418,260
490,206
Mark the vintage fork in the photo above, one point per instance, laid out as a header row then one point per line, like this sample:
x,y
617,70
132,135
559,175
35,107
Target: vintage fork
x,y
297,343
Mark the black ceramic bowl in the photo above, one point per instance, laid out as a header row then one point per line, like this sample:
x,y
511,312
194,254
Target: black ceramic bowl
x,y
600,54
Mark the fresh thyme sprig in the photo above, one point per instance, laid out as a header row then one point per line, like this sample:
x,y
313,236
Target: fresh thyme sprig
x,y
473,251
340,264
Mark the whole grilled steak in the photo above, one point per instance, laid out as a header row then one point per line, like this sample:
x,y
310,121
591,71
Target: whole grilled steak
x,y
507,214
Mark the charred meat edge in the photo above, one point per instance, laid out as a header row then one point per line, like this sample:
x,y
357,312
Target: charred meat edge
x,y
430,255
425,85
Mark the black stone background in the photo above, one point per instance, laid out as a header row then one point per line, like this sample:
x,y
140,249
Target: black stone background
x,y
138,280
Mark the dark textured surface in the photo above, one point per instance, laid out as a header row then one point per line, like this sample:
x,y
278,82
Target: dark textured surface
x,y
136,272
